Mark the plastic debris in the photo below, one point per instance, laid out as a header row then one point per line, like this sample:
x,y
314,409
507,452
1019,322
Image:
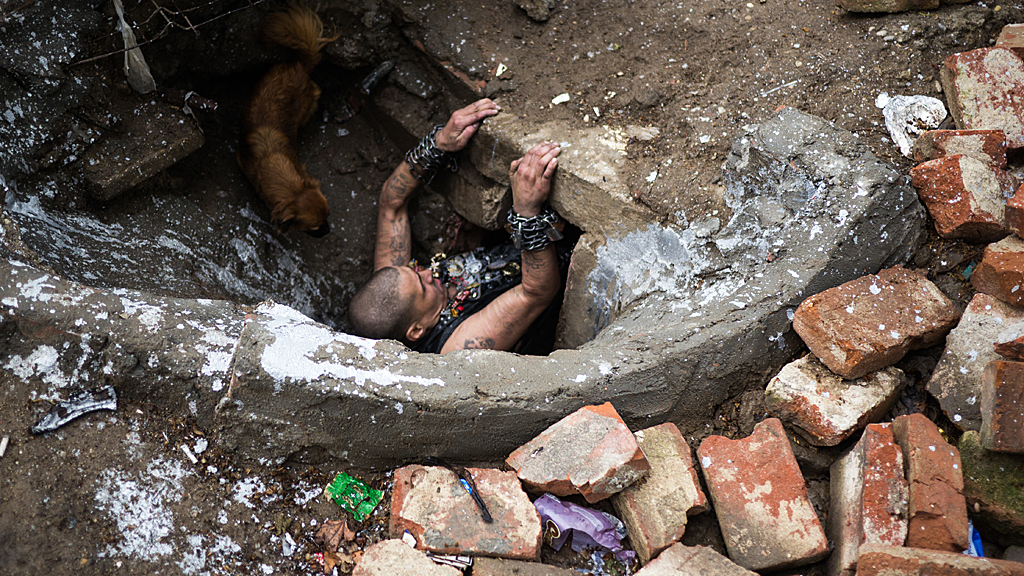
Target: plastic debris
x,y
589,528
907,117
974,546
353,495
460,562
969,270
135,67
191,457
79,404
287,544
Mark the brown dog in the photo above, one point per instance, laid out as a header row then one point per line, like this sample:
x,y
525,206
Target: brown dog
x,y
284,99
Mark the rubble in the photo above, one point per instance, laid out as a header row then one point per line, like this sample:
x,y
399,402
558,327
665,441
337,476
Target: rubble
x,y
879,560
993,490
987,146
1001,271
852,330
502,567
1015,213
394,557
589,452
1012,37
1010,344
679,560
825,408
1002,407
760,499
937,511
431,504
965,197
956,381
656,507
979,85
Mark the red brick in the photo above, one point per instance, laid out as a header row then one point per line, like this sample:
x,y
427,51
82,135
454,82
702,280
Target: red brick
x,y
1001,271
681,560
1011,346
938,511
1012,38
655,508
853,330
1015,213
1002,407
761,501
983,92
589,452
988,146
965,197
436,509
880,560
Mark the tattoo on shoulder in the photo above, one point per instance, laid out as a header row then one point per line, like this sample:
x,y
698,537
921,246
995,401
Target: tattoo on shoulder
x,y
478,343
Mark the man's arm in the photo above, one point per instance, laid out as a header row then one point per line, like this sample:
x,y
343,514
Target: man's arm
x,y
393,245
504,321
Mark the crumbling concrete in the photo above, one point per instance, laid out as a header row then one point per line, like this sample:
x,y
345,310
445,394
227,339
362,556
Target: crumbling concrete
x,y
394,557
993,490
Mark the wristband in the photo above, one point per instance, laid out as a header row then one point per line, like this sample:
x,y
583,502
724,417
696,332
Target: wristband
x,y
428,157
536,232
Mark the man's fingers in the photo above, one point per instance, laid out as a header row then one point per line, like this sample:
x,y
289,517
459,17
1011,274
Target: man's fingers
x,y
550,170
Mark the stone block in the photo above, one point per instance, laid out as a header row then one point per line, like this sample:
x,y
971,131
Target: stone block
x,y
993,490
881,560
396,558
956,380
679,560
988,146
1002,407
825,408
982,91
1011,37
890,6
1015,213
589,452
852,329
966,197
153,137
1001,271
503,567
655,508
868,498
761,501
937,511
431,503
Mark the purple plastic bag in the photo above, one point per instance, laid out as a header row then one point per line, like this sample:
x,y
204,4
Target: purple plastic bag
x,y
589,528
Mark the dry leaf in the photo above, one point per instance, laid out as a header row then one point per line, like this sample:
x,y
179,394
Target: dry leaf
x,y
330,534
332,559
347,534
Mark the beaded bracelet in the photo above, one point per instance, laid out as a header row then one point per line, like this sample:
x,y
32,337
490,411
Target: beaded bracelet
x,y
428,157
536,232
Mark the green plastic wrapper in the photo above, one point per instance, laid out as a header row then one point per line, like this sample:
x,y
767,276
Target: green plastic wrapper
x,y
354,495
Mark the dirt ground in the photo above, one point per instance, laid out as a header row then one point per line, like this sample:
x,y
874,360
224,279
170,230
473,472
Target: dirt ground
x,y
112,493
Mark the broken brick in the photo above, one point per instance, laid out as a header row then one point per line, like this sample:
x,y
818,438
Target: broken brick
x,y
881,560
965,197
988,146
679,560
852,330
1002,407
589,452
1012,38
1015,213
937,511
1010,345
761,501
391,557
983,91
1001,271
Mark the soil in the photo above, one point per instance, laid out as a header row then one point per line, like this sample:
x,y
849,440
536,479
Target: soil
x,y
113,493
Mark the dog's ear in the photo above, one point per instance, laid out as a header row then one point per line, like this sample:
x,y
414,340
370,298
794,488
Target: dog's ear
x,y
284,226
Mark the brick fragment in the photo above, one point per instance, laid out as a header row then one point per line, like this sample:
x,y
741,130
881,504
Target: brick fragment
x,y
956,381
983,91
1002,407
852,329
881,560
589,452
761,501
655,508
1015,213
965,197
993,490
1010,344
988,146
890,6
825,408
503,567
1001,271
938,511
869,498
436,509
679,560
394,557
1012,38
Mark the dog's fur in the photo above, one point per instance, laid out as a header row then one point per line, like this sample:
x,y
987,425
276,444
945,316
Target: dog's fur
x,y
284,100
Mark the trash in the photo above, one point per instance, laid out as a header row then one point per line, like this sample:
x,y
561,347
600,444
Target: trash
x,y
378,74
460,562
353,495
135,67
969,270
184,448
589,528
287,544
907,117
3,445
466,479
409,539
561,98
501,70
80,403
974,545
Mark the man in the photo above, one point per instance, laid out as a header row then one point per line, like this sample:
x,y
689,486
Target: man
x,y
473,309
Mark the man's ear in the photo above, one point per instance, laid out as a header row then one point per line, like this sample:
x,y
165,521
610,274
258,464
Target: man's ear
x,y
415,332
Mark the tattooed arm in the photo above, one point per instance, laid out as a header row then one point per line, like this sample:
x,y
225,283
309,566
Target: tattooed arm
x,y
504,321
394,239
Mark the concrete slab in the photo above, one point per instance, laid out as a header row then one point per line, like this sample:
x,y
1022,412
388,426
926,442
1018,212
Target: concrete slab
x,y
993,490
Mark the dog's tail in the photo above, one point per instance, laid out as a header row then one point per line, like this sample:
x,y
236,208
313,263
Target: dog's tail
x,y
300,29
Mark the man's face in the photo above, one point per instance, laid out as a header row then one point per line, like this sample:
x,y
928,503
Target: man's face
x,y
427,293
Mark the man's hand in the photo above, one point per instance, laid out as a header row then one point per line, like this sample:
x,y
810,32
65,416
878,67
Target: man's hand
x,y
463,124
531,178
